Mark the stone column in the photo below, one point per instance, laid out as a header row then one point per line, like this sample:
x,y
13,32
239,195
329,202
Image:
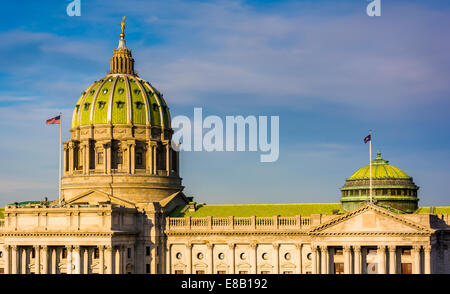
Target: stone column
x,y
324,252
357,261
154,150
416,253
101,263
118,256
392,259
88,157
168,159
427,252
148,159
14,259
232,250
108,156
76,259
211,258
315,257
86,260
69,259
71,150
189,258
65,165
24,258
299,248
276,248
44,259
83,158
347,259
254,246
133,158
53,262
37,259
7,259
123,257
381,259
109,259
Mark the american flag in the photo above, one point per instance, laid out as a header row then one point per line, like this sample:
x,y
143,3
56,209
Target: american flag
x,y
54,120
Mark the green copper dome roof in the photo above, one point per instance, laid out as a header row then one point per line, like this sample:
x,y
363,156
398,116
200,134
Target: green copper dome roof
x,y
121,99
380,170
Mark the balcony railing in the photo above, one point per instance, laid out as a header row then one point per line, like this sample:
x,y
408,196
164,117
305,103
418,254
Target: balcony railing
x,y
238,223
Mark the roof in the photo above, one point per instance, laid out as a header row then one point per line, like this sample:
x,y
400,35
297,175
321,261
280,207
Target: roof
x,y
244,210
380,169
434,209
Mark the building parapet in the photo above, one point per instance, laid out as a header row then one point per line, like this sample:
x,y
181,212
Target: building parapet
x,y
238,223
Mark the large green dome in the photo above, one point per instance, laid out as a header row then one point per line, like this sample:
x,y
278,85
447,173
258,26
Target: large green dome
x,y
121,99
391,187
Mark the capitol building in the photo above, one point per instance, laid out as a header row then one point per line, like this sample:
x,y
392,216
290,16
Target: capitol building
x,y
123,211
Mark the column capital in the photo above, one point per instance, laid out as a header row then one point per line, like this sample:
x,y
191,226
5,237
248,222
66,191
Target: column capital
x,y
253,245
76,247
231,246
417,248
276,246
427,248
347,248
357,248
68,247
314,248
14,247
392,248
108,248
188,245
298,245
209,245
381,248
37,247
323,247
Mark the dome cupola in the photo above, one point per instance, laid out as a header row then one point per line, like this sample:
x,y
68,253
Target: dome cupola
x,y
391,187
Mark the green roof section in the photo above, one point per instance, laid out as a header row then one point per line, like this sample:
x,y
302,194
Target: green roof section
x,y
380,170
434,209
245,210
2,209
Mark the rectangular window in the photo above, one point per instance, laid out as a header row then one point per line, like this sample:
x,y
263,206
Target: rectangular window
x,y
287,272
129,252
200,272
138,158
64,253
179,272
221,272
100,158
243,272
147,250
96,253
338,251
339,268
147,268
406,268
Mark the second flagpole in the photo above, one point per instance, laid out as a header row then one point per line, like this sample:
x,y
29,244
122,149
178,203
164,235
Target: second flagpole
x,y
370,166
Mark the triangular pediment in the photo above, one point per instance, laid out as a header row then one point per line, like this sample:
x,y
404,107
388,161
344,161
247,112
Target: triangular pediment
x,y
95,197
370,219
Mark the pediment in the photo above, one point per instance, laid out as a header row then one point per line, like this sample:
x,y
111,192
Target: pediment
x,y
95,197
370,219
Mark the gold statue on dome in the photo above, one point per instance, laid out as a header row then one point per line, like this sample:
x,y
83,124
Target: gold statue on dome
x,y
122,25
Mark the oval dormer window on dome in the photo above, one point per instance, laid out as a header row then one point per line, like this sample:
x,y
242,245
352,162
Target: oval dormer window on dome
x,y
92,92
120,104
105,91
101,104
139,105
155,106
120,90
86,105
137,91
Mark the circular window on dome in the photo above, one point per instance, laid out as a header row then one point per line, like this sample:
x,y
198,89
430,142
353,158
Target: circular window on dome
x,y
243,256
92,92
120,91
200,255
265,256
287,256
105,91
179,255
109,80
221,255
309,256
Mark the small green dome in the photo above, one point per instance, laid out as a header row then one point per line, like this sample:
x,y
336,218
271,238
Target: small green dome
x,y
121,99
391,187
380,170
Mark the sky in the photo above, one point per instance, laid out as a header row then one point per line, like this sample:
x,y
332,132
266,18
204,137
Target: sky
x,y
327,69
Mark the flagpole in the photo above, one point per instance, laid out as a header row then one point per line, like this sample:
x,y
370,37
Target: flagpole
x,y
370,166
60,143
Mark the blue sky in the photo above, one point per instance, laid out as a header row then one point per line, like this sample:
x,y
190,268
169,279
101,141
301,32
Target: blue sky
x,y
327,69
